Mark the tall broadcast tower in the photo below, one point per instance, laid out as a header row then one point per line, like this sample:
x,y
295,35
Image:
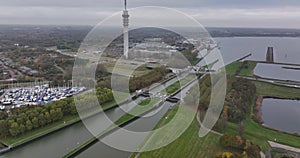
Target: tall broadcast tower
x,y
125,31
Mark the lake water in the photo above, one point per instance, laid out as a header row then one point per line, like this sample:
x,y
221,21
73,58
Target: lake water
x,y
278,71
282,114
286,49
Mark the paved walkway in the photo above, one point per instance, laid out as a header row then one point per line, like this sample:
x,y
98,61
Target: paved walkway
x,y
281,146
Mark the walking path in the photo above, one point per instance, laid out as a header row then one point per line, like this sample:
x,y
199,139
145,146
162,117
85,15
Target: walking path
x,y
293,84
262,155
60,68
201,125
281,146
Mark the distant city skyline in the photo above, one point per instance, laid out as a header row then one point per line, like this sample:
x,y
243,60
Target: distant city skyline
x,y
210,13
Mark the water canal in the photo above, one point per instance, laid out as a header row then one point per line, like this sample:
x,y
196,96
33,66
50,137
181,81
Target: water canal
x,y
63,141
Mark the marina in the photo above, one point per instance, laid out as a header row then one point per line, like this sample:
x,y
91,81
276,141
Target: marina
x,y
37,95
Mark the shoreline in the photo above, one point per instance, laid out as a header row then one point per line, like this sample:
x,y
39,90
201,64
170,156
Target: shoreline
x,y
257,115
74,121
53,130
76,151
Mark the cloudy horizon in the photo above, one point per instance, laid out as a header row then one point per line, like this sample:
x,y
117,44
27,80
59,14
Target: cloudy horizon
x,y
210,13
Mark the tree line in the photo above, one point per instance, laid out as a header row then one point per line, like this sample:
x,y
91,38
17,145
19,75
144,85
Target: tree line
x,y
25,119
239,98
135,82
245,148
156,75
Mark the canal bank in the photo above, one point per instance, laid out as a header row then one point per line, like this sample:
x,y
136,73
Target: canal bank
x,y
141,124
85,146
63,126
62,141
287,112
95,140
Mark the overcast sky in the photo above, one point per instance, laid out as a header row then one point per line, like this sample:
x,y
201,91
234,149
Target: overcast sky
x,y
218,13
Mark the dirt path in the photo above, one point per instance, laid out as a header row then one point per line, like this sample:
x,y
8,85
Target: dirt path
x,y
281,146
201,125
262,155
60,68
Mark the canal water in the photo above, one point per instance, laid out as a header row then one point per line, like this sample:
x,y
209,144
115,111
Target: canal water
x,y
142,125
63,141
282,114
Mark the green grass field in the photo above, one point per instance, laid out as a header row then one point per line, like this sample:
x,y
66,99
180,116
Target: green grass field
x,y
139,109
191,146
187,145
268,89
176,86
233,67
260,135
125,67
249,70
124,71
142,107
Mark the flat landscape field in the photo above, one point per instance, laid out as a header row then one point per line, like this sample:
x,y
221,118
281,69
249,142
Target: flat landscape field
x,y
189,144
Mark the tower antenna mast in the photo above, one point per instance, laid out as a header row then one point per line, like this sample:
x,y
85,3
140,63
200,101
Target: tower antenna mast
x,y
125,4
125,16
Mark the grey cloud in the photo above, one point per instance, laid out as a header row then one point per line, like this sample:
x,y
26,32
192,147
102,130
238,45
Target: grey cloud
x,y
164,3
208,12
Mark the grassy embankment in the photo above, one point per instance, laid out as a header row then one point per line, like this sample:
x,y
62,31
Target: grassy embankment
x,y
176,86
190,145
233,67
127,67
269,89
261,135
66,121
255,131
187,145
142,107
